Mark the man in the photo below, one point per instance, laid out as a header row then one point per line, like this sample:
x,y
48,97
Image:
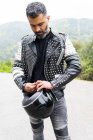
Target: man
x,y
39,64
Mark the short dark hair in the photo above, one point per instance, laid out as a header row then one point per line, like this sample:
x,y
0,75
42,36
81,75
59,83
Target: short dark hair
x,y
35,8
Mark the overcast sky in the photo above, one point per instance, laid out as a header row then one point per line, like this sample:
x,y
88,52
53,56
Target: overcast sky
x,y
14,10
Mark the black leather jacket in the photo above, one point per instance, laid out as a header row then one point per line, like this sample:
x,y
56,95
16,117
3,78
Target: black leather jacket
x,y
59,50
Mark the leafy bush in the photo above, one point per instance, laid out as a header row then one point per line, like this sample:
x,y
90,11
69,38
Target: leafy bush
x,y
85,51
6,66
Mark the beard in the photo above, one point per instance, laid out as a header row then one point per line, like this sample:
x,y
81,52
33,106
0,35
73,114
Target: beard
x,y
42,34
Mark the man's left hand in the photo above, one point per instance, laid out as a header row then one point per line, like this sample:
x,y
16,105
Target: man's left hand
x,y
43,84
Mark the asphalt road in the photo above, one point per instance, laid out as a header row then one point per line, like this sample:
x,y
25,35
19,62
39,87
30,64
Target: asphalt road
x,y
14,122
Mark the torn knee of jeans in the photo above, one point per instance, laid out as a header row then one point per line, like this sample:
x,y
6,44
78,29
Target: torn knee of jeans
x,y
61,132
37,128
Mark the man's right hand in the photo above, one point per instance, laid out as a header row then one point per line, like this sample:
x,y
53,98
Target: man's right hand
x,y
30,87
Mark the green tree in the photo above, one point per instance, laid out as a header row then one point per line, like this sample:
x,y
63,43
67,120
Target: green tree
x,y
87,61
6,66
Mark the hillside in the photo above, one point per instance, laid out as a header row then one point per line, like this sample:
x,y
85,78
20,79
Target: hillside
x,y
81,29
11,33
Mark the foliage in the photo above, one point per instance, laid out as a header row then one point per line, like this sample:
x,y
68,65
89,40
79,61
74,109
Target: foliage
x,y
85,51
6,66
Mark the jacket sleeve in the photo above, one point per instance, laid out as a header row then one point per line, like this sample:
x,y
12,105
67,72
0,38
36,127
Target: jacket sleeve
x,y
73,67
19,68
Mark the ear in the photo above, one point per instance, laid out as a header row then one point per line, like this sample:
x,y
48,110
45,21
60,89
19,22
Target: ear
x,y
48,17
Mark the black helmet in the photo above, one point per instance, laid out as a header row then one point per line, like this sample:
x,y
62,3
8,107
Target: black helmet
x,y
40,105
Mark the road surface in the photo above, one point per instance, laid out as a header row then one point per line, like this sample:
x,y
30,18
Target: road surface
x,y
14,122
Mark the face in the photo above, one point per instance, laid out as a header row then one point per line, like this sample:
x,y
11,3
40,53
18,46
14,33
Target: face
x,y
39,24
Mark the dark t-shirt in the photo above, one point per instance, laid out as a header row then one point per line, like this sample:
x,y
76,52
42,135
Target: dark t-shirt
x,y
41,45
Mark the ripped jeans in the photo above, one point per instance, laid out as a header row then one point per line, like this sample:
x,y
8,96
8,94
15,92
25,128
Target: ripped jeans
x,y
59,122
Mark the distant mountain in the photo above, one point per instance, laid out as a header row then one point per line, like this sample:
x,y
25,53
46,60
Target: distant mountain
x,y
11,33
81,29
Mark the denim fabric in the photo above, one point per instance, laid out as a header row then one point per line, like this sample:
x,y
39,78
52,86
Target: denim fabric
x,y
37,129
59,122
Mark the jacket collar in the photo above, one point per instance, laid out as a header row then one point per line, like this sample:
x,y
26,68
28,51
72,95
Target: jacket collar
x,y
32,37
52,43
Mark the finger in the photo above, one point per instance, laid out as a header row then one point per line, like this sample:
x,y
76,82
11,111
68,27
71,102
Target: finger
x,y
39,85
33,84
39,88
38,81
